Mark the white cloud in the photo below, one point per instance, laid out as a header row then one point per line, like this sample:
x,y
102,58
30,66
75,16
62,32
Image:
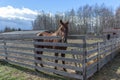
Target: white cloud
x,y
17,13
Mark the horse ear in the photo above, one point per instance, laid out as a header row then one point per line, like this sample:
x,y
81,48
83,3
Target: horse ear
x,y
61,22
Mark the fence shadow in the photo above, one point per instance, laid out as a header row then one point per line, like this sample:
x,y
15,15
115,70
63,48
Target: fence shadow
x,y
32,71
111,71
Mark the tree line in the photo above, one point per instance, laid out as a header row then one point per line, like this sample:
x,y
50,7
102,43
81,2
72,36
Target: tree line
x,y
85,20
9,29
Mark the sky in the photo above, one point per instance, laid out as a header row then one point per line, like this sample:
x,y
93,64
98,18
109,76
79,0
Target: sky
x,y
54,6
27,10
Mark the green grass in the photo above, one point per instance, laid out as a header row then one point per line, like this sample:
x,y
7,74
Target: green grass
x,y
13,72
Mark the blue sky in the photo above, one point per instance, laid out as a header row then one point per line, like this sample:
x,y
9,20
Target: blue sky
x,y
28,9
56,5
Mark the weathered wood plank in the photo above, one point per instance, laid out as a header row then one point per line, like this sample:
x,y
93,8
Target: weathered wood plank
x,y
1,46
105,51
23,53
3,55
19,58
102,62
90,52
20,37
76,36
59,51
103,47
48,43
19,42
1,41
31,32
16,47
59,44
91,66
59,65
70,75
91,71
22,64
59,58
91,58
2,50
91,45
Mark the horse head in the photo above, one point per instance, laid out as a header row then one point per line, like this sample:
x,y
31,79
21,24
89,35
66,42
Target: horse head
x,y
63,30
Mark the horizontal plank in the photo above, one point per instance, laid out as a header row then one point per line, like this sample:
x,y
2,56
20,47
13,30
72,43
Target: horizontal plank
x,y
46,43
17,37
20,58
106,59
91,71
75,52
66,74
104,47
105,51
1,41
59,65
23,53
59,58
91,45
102,62
76,37
16,47
2,50
1,46
22,64
91,36
3,55
31,32
92,65
19,42
91,58
92,51
59,44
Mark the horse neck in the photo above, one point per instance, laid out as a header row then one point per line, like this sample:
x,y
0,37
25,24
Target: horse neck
x,y
58,33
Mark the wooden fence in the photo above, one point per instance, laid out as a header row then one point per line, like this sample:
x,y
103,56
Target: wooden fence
x,y
83,57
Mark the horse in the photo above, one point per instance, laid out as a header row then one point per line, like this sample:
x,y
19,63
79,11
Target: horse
x,y
61,32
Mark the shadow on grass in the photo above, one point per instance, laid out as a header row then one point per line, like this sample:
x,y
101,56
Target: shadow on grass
x,y
111,71
33,72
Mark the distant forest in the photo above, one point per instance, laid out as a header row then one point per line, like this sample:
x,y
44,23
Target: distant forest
x,y
85,20
9,29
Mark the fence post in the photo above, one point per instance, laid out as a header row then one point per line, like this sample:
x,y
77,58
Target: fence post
x,y
35,58
5,50
84,58
98,56
111,49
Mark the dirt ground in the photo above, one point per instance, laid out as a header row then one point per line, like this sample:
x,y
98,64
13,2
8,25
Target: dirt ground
x,y
111,71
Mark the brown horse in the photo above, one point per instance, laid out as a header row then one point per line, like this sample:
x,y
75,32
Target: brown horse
x,y
61,32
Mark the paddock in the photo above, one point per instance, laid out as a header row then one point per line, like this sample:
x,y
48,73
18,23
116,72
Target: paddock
x,y
85,55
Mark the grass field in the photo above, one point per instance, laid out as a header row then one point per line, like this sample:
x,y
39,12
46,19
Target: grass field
x,y
14,72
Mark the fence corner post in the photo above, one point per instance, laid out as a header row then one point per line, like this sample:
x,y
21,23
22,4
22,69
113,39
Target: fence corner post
x,y
84,58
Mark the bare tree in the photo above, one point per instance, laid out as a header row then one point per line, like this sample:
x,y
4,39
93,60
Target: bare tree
x,y
87,19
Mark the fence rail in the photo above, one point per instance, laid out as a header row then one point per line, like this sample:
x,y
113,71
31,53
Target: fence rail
x,y
82,59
